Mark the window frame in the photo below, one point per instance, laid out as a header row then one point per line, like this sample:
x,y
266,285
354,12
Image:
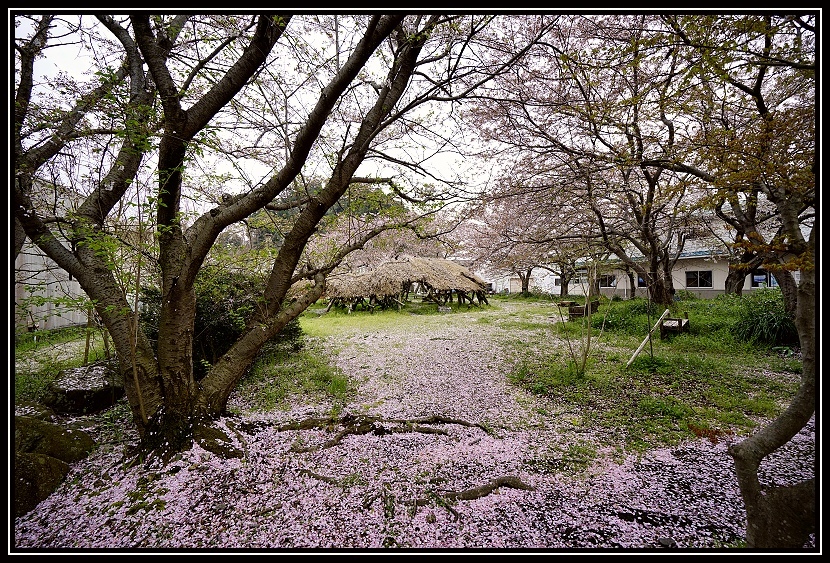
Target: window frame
x,y
697,276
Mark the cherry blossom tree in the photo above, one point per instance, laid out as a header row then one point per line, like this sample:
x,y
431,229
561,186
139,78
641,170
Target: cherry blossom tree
x,y
764,147
390,225
518,229
592,106
208,119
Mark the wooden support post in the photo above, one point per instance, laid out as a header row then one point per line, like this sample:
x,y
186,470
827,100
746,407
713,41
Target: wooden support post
x,y
643,343
88,334
106,342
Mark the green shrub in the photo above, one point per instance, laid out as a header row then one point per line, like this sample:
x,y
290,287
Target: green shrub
x,y
631,316
763,319
616,318
726,303
224,303
664,407
685,295
716,315
641,306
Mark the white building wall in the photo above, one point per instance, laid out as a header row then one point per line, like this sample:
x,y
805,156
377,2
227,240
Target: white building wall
x,y
38,276
547,282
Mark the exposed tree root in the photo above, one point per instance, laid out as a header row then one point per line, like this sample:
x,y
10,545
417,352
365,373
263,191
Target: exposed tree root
x,y
448,498
437,419
357,425
325,478
484,490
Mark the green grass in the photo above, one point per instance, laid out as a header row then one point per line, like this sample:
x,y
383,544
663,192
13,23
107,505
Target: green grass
x,y
281,374
704,379
573,458
338,321
27,342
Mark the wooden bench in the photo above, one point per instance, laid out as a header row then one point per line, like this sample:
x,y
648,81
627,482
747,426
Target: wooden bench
x,y
671,325
577,311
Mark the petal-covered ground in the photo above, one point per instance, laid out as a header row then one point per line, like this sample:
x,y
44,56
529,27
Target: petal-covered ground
x,y
457,458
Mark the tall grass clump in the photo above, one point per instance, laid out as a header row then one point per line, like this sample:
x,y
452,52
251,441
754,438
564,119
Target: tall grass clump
x,y
763,319
283,374
626,316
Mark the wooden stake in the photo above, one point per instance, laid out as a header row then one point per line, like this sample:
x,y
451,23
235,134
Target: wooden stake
x,y
643,343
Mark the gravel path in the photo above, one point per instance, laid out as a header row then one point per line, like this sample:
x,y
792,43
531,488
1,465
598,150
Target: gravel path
x,y
490,474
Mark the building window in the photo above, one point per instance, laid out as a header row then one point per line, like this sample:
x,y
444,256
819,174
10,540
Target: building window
x,y
608,281
762,278
641,282
557,282
701,278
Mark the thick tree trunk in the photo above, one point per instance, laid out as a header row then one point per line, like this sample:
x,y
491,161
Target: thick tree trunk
x,y
171,429
525,279
789,290
19,238
632,282
735,280
736,277
175,348
137,364
565,282
661,291
782,517
656,271
136,358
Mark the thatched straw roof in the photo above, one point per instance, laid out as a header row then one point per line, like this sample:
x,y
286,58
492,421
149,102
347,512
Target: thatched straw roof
x,y
347,286
392,278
